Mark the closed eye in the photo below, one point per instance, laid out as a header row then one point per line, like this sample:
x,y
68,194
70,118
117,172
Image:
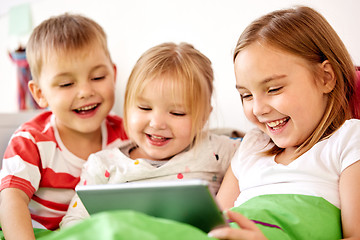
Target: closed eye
x,y
63,85
274,90
179,114
144,108
245,96
98,78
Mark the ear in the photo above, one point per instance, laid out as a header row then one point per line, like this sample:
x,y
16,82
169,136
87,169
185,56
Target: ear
x,y
115,72
210,110
37,94
328,77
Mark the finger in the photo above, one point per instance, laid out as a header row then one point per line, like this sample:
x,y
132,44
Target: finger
x,y
227,233
241,220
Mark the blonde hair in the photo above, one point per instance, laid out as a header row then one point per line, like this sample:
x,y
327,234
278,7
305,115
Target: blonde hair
x,y
189,72
61,34
304,32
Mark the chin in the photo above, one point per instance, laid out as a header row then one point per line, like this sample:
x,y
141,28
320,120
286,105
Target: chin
x,y
159,157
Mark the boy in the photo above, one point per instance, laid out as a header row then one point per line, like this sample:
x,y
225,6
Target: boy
x,y
74,76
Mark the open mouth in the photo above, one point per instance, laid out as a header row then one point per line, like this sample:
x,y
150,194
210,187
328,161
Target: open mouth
x,y
156,138
86,109
278,123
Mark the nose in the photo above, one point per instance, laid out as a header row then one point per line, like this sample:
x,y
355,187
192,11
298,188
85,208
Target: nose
x,y
260,106
86,90
158,120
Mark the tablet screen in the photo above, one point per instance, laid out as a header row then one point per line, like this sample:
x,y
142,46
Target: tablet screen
x,y
188,201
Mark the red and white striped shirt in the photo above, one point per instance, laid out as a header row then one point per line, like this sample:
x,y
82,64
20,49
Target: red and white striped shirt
x,y
37,162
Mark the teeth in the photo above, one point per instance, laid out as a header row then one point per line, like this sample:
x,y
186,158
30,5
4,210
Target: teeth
x,y
87,108
156,137
276,123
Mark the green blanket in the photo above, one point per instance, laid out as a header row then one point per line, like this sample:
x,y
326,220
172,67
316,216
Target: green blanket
x,y
282,216
291,216
127,225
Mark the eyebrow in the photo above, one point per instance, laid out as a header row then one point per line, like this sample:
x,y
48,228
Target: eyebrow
x,y
99,66
266,80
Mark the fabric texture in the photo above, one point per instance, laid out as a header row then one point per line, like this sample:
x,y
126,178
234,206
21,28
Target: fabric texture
x,y
127,225
315,173
38,163
208,161
282,216
292,216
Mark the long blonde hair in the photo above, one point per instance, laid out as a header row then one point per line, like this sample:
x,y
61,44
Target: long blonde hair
x,y
304,32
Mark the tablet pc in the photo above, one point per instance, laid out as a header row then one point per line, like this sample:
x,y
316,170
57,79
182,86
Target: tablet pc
x,y
188,201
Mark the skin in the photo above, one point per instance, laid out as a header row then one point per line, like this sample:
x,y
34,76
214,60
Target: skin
x,y
248,230
14,208
282,98
78,87
279,93
154,123
77,81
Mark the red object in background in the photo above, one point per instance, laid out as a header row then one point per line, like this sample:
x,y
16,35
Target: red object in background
x,y
25,99
355,103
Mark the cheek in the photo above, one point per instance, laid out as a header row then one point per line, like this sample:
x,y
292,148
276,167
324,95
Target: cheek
x,y
185,130
108,92
135,121
248,112
60,99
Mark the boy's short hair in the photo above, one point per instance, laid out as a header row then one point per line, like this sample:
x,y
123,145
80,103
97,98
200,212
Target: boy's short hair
x,y
61,34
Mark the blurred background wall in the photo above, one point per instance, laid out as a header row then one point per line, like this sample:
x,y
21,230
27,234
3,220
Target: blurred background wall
x,y
133,26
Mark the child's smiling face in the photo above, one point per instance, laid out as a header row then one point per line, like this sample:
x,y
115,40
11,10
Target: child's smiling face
x,y
78,87
279,94
159,122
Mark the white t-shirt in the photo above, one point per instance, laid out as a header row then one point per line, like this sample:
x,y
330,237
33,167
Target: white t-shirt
x,y
314,173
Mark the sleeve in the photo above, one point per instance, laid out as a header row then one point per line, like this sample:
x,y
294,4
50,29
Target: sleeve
x,y
75,213
95,170
349,141
21,166
253,142
235,162
225,149
93,173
